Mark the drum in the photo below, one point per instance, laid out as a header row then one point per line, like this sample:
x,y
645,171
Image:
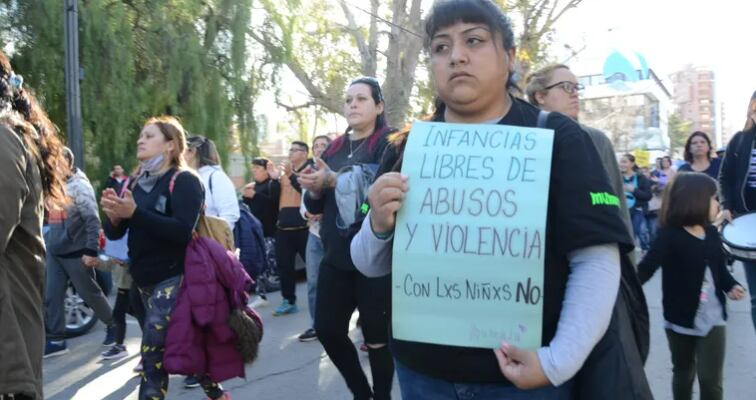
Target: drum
x,y
739,237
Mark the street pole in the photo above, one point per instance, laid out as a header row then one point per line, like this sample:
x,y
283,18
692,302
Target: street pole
x,y
73,95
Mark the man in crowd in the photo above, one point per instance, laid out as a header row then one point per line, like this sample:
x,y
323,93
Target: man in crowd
x,y
314,248
291,237
116,179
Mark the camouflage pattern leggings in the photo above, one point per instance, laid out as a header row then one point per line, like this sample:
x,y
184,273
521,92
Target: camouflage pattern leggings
x,y
158,303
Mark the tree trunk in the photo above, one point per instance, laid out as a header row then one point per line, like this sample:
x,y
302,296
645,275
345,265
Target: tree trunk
x,y
402,57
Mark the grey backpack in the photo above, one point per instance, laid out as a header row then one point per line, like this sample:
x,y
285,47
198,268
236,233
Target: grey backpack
x,y
351,192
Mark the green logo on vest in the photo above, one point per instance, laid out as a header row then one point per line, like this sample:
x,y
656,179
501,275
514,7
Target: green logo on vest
x,y
604,199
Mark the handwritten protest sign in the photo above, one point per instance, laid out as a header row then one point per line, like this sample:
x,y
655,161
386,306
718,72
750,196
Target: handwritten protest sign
x,y
470,240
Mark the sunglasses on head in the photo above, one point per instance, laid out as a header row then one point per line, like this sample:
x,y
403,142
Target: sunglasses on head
x,y
370,81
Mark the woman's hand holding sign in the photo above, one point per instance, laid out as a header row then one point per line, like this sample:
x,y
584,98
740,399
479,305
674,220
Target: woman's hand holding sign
x,y
386,197
521,367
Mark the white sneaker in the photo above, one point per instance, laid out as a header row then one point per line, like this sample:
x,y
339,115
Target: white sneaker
x,y
258,301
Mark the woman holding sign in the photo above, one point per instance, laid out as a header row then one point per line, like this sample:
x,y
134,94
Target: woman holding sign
x,y
472,58
344,167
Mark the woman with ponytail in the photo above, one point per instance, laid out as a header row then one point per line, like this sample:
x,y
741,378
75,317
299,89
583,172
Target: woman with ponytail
x,y
472,60
160,211
30,154
341,288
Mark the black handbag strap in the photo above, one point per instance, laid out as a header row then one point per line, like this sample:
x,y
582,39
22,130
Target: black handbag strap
x,y
543,117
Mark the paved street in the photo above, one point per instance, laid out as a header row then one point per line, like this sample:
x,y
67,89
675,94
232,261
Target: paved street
x,y
288,369
740,361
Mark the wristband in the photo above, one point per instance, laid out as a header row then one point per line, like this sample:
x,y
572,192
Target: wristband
x,y
381,236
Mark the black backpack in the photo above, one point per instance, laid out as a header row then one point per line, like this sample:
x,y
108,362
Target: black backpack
x,y
249,239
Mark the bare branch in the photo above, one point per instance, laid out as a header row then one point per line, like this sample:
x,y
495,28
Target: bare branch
x,y
355,31
296,108
553,19
318,96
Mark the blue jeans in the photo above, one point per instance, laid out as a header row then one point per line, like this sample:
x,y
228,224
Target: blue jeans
x,y
750,271
640,225
417,386
652,225
314,254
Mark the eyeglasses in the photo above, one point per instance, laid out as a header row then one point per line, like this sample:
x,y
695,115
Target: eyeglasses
x,y
567,86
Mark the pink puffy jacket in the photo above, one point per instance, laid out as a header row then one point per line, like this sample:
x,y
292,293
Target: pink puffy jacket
x,y
199,340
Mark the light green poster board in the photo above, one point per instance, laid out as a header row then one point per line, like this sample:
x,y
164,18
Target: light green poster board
x,y
470,239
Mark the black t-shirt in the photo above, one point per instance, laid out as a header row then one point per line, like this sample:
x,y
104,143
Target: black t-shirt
x,y
712,171
336,247
161,227
581,213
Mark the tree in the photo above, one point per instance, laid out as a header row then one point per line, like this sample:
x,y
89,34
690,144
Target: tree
x,y
322,54
678,130
139,58
536,23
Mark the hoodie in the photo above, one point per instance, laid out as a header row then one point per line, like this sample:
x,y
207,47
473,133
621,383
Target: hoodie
x,y
76,231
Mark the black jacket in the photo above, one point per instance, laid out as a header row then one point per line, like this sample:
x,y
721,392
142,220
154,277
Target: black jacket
x,y
113,183
161,227
336,247
734,171
683,258
264,205
642,193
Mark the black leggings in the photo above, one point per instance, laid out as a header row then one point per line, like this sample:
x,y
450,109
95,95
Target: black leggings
x,y
339,293
125,304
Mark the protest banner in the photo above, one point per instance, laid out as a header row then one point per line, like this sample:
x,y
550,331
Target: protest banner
x,y
470,239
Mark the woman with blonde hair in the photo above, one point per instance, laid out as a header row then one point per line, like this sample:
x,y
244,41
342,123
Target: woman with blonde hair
x,y
160,211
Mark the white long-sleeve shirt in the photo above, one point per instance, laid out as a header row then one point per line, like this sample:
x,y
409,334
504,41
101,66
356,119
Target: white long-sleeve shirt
x,y
221,201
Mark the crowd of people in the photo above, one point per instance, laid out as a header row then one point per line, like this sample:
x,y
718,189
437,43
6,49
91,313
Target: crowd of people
x,y
334,202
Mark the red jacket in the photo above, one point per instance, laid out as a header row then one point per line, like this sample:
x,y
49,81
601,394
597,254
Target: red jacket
x,y
199,340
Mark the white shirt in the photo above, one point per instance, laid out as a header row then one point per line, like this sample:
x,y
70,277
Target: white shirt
x,y
314,225
221,201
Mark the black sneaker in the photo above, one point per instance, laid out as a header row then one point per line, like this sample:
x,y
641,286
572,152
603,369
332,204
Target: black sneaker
x,y
109,335
308,336
191,382
115,352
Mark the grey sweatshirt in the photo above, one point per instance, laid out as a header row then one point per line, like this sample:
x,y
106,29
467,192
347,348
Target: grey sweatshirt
x,y
79,233
594,274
